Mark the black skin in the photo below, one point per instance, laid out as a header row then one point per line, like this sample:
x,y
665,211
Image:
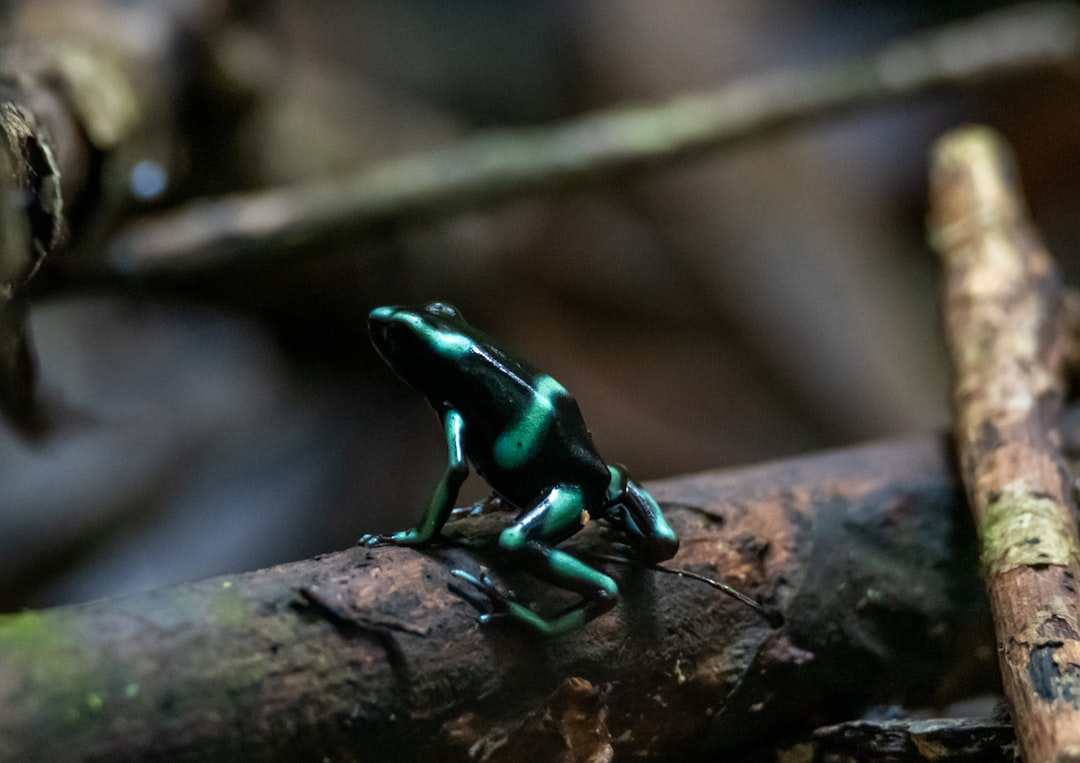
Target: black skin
x,y
525,435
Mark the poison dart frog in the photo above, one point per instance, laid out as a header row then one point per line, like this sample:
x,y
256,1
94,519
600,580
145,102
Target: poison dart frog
x,y
524,434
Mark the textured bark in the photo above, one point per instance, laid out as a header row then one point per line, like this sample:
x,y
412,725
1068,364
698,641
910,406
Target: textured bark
x,y
1004,317
367,654
956,740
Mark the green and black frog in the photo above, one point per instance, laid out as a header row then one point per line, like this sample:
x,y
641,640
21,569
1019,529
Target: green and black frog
x,y
525,435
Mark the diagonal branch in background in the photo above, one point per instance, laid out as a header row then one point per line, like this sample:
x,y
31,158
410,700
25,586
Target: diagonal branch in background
x,y
500,166
1006,331
367,653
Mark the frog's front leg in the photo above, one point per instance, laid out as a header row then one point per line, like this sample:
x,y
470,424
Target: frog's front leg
x,y
446,492
529,542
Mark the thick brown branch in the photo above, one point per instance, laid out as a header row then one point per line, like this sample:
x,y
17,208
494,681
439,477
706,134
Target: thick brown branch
x,y
367,654
1006,333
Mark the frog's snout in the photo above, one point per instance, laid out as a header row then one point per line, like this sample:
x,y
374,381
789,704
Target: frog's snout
x,y
380,327
380,314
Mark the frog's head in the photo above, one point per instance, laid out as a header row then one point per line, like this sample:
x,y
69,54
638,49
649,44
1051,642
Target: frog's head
x,y
421,343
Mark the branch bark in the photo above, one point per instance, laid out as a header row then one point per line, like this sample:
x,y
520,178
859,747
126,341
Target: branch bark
x,y
367,654
1006,331
942,740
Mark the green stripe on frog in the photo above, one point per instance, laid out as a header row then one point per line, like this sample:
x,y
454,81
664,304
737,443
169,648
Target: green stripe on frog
x,y
521,439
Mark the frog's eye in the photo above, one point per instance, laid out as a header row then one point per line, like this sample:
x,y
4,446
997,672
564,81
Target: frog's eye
x,y
442,309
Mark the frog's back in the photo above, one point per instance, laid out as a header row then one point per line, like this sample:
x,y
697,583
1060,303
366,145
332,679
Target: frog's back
x,y
522,430
531,437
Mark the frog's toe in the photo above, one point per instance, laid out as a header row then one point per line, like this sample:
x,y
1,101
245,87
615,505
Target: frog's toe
x,y
402,538
373,539
497,601
624,548
484,583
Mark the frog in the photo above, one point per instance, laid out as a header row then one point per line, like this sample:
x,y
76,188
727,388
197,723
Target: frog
x,y
525,435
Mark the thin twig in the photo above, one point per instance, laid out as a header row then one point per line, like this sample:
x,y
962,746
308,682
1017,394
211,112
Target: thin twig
x,y
499,166
775,619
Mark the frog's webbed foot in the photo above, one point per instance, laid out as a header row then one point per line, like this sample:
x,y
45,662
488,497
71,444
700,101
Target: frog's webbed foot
x,y
474,510
403,538
498,604
488,505
374,539
503,605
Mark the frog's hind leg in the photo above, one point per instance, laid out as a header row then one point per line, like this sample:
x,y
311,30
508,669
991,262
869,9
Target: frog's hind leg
x,y
530,542
640,518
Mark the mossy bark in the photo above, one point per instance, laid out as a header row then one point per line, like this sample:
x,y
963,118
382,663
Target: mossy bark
x,y
368,653
1006,327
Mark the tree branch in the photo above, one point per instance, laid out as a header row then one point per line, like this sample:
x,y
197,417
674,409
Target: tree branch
x,y
499,166
369,654
31,227
1006,332
940,740
81,99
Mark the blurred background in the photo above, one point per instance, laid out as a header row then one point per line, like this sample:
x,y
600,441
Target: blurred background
x,y
765,300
